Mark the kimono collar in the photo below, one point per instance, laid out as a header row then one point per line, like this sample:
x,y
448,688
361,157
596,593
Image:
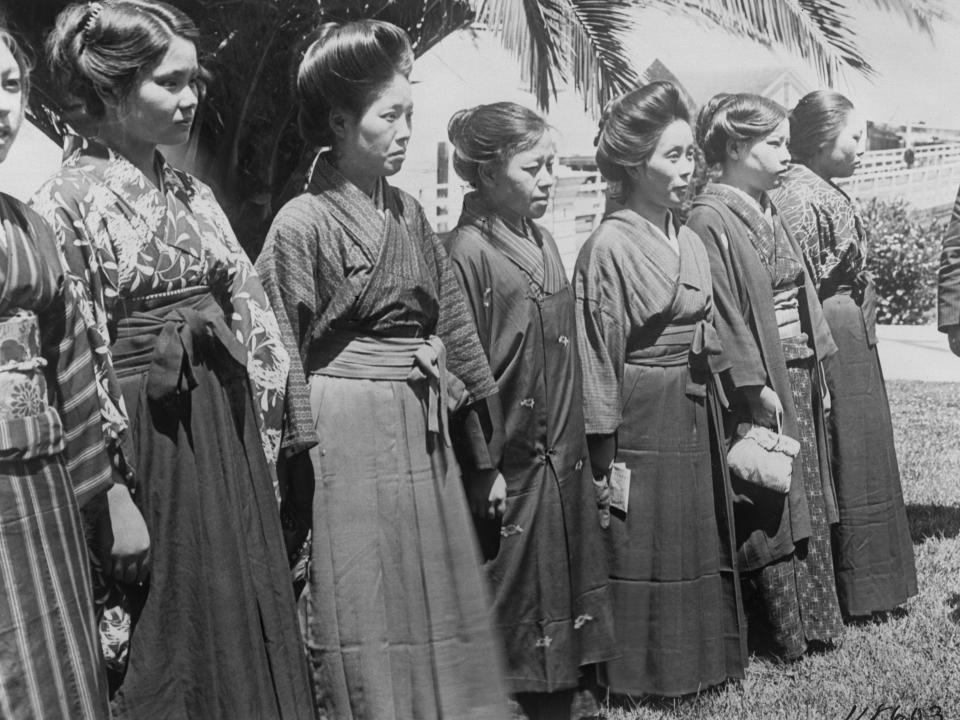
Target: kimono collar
x,y
149,205
752,215
362,217
121,175
527,253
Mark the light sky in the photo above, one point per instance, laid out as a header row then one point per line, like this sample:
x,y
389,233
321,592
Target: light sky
x,y
917,79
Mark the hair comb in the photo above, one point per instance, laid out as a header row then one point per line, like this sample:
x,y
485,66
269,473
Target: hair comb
x,y
90,20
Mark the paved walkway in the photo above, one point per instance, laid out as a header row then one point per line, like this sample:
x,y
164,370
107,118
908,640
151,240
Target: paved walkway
x,y
916,352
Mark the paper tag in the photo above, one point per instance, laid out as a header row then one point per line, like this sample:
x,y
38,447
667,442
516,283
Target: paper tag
x,y
619,487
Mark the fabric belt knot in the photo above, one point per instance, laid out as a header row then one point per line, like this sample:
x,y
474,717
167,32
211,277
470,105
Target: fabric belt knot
x,y
704,345
184,331
430,364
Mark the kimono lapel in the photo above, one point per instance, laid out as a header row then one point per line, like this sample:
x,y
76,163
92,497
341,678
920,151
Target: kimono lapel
x,y
760,231
542,268
657,249
356,212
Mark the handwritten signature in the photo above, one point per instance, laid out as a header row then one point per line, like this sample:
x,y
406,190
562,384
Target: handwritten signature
x,y
895,712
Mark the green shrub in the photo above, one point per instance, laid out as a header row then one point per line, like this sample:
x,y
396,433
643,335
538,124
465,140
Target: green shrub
x,y
904,250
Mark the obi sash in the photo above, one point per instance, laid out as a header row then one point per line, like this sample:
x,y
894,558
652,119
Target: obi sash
x,y
167,334
346,354
691,344
29,427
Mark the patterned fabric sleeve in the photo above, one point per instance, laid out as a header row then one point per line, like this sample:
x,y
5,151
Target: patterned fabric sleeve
x,y
286,266
465,356
842,254
90,270
948,301
65,343
252,321
601,337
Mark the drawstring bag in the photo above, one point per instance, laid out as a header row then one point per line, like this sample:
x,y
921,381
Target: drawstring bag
x,y
762,456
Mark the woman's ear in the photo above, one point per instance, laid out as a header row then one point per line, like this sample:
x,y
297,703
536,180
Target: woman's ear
x,y
109,97
735,149
635,171
339,121
487,175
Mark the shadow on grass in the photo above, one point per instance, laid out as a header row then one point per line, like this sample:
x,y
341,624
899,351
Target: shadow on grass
x,y
954,602
927,521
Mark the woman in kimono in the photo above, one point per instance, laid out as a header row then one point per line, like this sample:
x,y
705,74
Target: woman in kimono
x,y
872,550
188,349
395,611
549,574
649,352
52,461
773,333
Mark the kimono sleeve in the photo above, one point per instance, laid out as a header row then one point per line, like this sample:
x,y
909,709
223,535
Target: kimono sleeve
x,y
478,429
87,460
601,337
286,267
254,324
89,263
841,254
731,307
948,306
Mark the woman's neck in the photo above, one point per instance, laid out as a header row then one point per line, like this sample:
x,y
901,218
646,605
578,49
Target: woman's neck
x,y
733,178
356,175
817,169
651,212
141,155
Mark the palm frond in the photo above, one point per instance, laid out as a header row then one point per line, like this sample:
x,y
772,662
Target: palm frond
x,y
532,31
819,31
600,63
922,15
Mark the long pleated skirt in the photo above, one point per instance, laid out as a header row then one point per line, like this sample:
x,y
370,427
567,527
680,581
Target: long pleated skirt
x,y
873,553
798,592
677,606
396,613
50,663
215,630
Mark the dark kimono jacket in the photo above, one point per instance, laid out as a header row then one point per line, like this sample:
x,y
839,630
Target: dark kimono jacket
x,y
648,351
948,296
768,524
549,576
873,553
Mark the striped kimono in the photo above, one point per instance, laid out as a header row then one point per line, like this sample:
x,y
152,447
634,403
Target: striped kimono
x,y
52,461
396,615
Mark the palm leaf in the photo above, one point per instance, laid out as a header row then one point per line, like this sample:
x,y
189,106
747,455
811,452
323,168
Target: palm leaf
x,y
601,69
920,14
533,32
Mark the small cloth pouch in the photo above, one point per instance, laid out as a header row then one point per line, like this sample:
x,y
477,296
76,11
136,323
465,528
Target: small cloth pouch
x,y
763,457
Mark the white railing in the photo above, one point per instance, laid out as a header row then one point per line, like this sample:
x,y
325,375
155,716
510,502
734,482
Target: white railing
x,y
578,200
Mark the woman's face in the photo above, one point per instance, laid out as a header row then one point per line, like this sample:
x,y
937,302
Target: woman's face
x,y
160,108
11,100
663,179
763,163
842,158
520,187
375,143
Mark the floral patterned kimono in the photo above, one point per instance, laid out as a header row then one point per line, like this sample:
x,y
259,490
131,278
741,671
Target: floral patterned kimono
x,y
52,460
873,553
188,349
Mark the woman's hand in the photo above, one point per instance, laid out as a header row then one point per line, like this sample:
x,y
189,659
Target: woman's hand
x,y
765,406
487,503
122,539
953,336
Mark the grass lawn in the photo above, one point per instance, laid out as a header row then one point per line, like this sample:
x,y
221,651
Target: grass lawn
x,y
912,658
